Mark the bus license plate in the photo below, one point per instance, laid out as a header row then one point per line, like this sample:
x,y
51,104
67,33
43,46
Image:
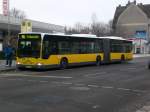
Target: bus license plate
x,y
28,66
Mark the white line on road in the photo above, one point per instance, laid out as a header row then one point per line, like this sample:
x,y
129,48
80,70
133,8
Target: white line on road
x,y
31,80
124,89
12,79
59,77
3,77
96,106
107,87
100,73
66,83
20,79
79,84
42,76
131,68
141,91
93,86
44,81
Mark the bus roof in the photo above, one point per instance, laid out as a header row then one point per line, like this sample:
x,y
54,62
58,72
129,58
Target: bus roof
x,y
78,35
60,34
113,37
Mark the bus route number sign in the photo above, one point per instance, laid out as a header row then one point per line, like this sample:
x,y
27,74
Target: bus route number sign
x,y
29,36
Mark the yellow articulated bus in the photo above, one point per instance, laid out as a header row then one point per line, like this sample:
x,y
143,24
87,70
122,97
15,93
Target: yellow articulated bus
x,y
41,50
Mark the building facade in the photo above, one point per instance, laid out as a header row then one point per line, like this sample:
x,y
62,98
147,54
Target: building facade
x,y
133,22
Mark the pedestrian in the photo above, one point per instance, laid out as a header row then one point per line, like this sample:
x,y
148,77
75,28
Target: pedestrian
x,y
8,52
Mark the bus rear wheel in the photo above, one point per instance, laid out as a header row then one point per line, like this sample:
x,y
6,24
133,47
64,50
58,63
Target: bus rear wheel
x,y
98,61
63,63
149,65
122,59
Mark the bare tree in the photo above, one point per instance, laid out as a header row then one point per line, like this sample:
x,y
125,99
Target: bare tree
x,y
17,13
110,26
100,29
94,18
79,28
12,39
95,27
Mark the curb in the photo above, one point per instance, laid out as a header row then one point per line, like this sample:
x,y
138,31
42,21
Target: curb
x,y
8,69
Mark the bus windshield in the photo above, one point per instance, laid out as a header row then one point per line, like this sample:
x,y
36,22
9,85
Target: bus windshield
x,y
29,45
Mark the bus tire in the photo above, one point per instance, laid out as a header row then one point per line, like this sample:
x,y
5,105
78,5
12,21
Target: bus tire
x,y
63,63
98,61
149,65
122,59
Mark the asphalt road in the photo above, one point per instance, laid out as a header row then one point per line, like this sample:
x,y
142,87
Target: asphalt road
x,y
109,88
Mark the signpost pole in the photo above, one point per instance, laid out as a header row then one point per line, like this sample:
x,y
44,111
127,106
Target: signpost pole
x,y
6,13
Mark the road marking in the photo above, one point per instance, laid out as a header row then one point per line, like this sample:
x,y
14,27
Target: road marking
x,y
93,86
12,79
43,81
131,68
80,88
3,77
100,73
80,84
31,80
67,83
107,87
124,89
20,79
23,75
141,91
96,106
58,77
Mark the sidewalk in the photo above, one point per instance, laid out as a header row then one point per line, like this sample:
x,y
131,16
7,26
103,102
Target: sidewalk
x,y
5,68
141,55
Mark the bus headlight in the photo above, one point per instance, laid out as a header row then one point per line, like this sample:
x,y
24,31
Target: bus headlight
x,y
39,64
18,63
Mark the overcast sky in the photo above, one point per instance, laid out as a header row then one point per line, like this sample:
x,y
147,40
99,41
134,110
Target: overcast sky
x,y
68,12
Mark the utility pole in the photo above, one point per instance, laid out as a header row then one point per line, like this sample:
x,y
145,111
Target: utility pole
x,y
8,22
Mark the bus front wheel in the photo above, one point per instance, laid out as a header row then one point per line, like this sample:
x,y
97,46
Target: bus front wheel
x,y
63,63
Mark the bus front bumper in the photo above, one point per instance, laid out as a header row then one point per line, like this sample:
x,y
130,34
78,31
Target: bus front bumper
x,y
36,66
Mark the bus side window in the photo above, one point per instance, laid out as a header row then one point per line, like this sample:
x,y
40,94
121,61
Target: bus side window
x,y
82,47
53,47
98,46
128,48
49,48
64,47
75,47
